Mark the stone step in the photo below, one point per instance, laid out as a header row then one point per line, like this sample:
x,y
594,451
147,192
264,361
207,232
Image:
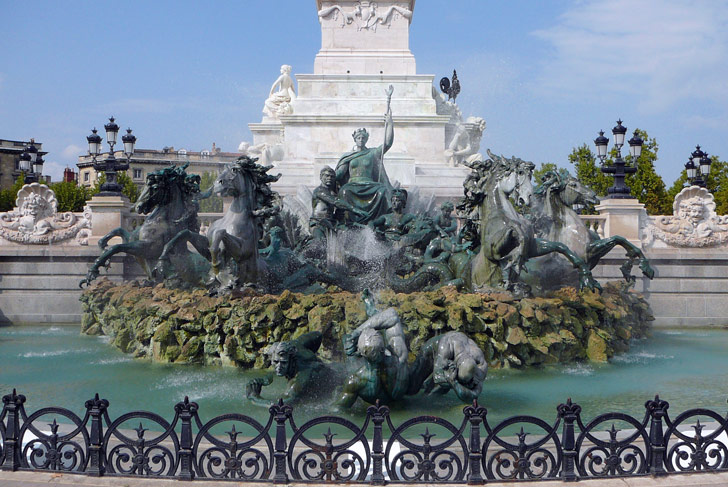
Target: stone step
x,y
40,306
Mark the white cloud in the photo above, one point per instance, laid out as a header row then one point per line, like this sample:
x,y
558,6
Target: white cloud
x,y
72,151
55,170
662,52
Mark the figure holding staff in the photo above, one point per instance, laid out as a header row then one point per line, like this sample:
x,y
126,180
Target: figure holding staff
x,y
361,175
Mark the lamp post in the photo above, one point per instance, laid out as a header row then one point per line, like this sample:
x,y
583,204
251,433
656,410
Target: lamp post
x,y
620,168
31,163
698,167
110,165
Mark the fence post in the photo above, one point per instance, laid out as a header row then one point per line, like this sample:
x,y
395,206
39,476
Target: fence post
x,y
378,414
14,407
96,456
281,412
569,413
186,410
657,410
476,415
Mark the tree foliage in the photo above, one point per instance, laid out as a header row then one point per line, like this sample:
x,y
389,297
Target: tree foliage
x,y
716,183
587,171
128,187
70,196
8,196
646,185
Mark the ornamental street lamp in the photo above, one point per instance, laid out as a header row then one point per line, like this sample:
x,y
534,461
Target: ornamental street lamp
x,y
110,165
620,168
698,167
31,163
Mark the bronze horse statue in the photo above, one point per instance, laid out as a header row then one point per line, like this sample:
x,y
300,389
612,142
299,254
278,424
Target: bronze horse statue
x,y
231,242
170,201
557,220
507,238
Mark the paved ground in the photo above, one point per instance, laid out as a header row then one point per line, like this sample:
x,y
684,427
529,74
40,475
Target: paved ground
x,y
33,479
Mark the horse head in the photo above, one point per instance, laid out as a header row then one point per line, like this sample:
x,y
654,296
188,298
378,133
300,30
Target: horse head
x,y
567,189
166,187
524,188
514,178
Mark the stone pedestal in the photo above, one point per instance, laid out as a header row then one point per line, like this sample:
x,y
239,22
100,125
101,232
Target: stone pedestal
x,y
623,217
365,49
107,213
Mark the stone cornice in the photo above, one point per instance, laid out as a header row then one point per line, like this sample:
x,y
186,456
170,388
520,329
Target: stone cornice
x,y
370,119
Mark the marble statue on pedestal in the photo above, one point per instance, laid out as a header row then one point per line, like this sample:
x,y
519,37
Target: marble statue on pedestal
x,y
466,140
282,93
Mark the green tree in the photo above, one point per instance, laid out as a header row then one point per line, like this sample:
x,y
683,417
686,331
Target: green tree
x,y
128,187
70,196
213,204
716,183
588,171
8,196
646,185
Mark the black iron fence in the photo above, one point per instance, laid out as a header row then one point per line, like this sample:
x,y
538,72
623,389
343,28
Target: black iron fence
x,y
332,449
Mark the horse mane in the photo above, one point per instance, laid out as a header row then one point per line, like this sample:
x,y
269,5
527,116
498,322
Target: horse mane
x,y
266,200
175,175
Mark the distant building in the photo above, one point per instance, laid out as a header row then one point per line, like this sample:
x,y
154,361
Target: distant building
x,y
69,175
145,161
10,151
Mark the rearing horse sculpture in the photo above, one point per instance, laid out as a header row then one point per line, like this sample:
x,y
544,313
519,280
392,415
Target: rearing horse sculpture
x,y
231,243
559,191
169,199
507,238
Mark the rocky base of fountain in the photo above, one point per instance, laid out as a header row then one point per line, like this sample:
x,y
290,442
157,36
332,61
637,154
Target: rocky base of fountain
x,y
190,327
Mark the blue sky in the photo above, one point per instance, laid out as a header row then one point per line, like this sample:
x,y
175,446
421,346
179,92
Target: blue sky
x,y
546,76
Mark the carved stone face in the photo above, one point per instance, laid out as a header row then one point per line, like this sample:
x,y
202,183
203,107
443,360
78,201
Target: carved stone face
x,y
360,139
33,206
281,362
328,178
398,203
695,210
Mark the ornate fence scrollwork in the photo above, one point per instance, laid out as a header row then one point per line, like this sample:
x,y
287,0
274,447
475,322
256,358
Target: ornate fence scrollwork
x,y
328,461
610,455
508,458
49,450
333,449
142,456
429,460
696,450
245,460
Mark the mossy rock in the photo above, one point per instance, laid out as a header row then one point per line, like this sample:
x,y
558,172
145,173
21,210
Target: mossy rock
x,y
189,327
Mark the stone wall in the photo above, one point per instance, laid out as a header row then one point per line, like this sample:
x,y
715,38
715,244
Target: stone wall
x,y
690,287
189,327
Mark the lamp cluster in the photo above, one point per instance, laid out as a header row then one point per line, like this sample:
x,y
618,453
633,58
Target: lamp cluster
x,y
698,167
31,163
110,165
620,168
